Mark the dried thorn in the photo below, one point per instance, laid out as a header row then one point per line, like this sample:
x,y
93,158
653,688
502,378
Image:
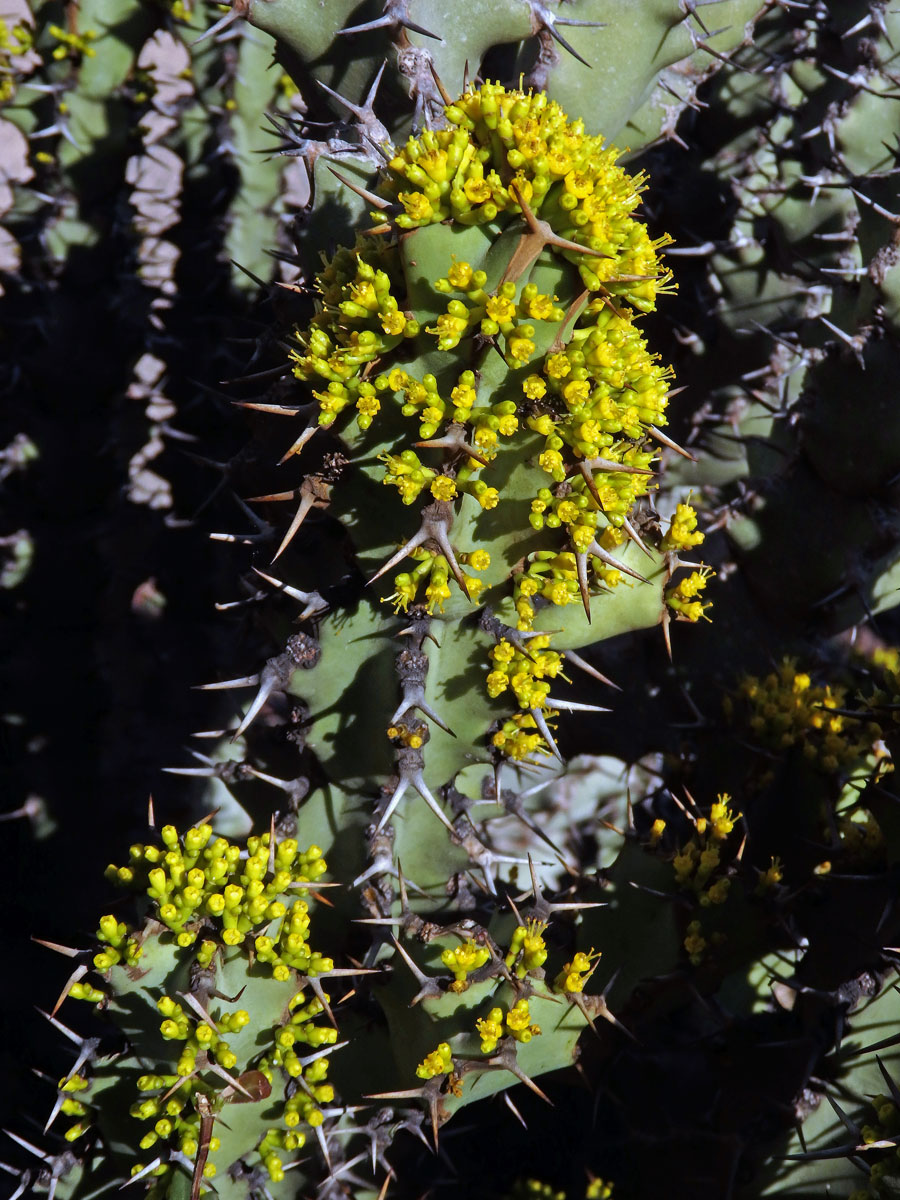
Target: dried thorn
x,y
68,951
635,536
577,661
573,706
308,502
583,585
141,1174
445,96
301,441
667,441
507,1099
370,197
598,552
265,690
281,410
313,601
244,681
544,730
78,973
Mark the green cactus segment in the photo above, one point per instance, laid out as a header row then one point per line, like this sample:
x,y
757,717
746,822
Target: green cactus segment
x,y
498,415
226,936
606,59
851,1136
93,56
220,995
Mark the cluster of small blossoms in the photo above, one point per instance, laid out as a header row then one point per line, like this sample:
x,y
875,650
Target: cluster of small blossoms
x,y
786,709
202,882
553,576
438,1062
516,1023
360,322
697,862
580,393
410,476
71,43
527,948
215,899
506,312
15,41
434,571
683,597
525,674
518,738
682,533
462,961
576,973
568,178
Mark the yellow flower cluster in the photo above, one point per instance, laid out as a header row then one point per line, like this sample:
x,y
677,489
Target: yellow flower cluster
x,y
526,675
434,571
697,862
504,146
199,881
72,44
527,948
682,533
787,709
438,1062
576,973
517,1023
462,961
518,738
682,598
237,897
15,41
576,392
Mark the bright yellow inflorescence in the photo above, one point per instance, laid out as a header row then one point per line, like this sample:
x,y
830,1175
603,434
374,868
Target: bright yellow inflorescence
x,y
786,709
516,1023
453,362
216,903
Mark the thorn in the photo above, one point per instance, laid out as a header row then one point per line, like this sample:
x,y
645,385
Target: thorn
x,y
544,730
244,681
573,706
267,687
667,441
583,585
370,197
437,83
313,601
428,986
282,410
418,782
298,445
141,1174
27,1145
68,951
222,24
78,973
665,620
577,661
512,1108
437,519
598,552
635,536
539,235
